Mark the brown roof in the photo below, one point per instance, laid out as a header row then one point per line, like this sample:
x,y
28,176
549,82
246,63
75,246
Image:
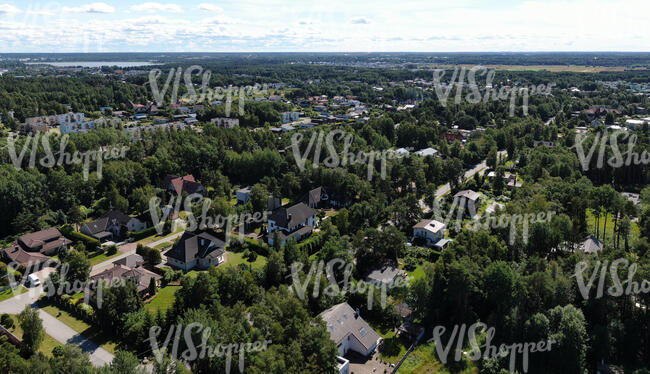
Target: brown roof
x,y
24,258
180,184
35,239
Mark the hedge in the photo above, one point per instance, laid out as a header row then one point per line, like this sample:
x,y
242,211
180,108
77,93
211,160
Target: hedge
x,y
258,246
90,243
312,244
144,233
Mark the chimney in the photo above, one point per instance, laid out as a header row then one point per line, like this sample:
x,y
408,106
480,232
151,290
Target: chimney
x,y
357,313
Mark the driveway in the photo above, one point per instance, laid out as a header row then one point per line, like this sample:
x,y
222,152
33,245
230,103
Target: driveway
x,y
55,328
126,249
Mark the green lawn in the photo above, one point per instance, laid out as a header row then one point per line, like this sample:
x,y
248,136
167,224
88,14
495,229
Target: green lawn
x,y
9,292
417,273
394,348
95,334
236,258
97,259
423,361
48,343
164,299
591,227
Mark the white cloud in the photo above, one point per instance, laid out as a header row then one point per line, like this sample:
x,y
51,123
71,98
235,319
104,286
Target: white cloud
x,y
8,9
210,8
152,7
360,21
91,8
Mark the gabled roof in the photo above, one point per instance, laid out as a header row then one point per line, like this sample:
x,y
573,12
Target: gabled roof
x,y
342,321
131,261
315,196
292,216
592,245
469,194
180,184
100,226
430,225
191,246
37,238
22,257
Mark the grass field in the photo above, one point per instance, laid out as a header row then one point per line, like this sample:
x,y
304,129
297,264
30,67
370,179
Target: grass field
x,y
93,333
236,258
102,257
48,343
393,349
423,361
591,227
164,299
9,293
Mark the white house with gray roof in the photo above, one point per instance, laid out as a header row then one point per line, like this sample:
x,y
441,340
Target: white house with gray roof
x,y
296,221
349,331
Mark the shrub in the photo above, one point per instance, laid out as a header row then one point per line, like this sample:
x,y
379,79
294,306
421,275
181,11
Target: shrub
x,y
111,250
7,321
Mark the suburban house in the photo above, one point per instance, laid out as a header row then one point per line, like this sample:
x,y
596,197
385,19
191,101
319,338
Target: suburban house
x,y
34,248
349,331
296,222
469,200
385,275
316,198
494,207
635,198
591,245
226,122
112,225
196,250
183,184
140,276
243,195
429,230
427,152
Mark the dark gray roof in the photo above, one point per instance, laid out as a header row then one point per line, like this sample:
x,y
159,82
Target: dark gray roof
x,y
111,218
292,216
315,196
191,246
385,274
342,321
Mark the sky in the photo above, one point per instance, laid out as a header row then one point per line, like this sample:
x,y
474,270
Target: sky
x,y
324,26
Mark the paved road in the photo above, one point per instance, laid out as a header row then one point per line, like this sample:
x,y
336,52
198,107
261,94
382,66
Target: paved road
x,y
165,240
55,328
126,249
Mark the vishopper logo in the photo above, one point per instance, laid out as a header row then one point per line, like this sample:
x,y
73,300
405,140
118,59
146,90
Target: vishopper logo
x,y
618,159
64,286
334,159
184,337
617,288
333,289
489,350
207,94
204,221
491,94
64,158
502,220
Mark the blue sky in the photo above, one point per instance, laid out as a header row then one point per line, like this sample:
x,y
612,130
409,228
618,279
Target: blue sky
x,y
328,26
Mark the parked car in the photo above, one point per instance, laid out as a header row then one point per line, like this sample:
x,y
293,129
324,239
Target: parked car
x,y
33,280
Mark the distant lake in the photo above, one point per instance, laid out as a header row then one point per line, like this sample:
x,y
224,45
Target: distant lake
x,y
94,64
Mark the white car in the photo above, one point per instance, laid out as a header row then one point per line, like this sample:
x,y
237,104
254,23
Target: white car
x,y
33,280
